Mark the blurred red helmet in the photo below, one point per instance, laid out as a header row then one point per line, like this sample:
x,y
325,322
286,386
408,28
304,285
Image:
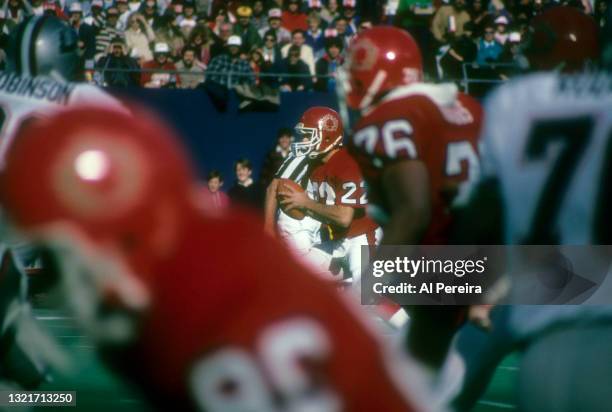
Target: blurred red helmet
x,y
561,37
319,131
102,176
378,60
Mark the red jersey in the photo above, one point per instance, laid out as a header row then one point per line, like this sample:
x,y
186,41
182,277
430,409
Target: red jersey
x,y
430,123
339,182
249,328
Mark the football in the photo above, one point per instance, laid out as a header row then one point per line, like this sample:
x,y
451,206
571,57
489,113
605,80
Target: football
x,y
282,184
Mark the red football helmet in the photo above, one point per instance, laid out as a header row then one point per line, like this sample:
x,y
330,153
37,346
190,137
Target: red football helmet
x,y
319,131
561,37
378,60
107,192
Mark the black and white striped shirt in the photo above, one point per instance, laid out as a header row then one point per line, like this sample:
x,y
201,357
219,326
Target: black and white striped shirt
x,y
297,169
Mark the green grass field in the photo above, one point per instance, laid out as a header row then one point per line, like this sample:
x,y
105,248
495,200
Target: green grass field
x,y
98,390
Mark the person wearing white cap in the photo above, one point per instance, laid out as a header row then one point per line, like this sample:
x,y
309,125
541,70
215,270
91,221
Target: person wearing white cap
x,y
152,79
283,36
501,34
229,69
86,32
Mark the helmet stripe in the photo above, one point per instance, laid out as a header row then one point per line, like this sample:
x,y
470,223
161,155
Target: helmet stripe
x,y
38,25
24,46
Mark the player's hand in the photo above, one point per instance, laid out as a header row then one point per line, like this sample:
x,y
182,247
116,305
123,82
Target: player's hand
x,y
293,199
479,315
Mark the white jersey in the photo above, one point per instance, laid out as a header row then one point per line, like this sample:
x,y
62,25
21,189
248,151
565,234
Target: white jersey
x,y
547,141
25,98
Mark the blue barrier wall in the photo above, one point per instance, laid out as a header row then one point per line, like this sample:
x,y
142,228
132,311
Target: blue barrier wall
x,y
216,139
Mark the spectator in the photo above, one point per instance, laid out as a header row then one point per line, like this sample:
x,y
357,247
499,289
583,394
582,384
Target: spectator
x,y
276,156
257,63
156,80
479,16
328,65
150,12
293,18
600,12
15,12
138,36
51,8
330,12
449,20
350,13
213,194
188,19
86,33
512,55
124,14
201,41
167,31
245,191
259,17
314,36
489,49
462,50
115,64
363,26
246,30
229,69
270,50
95,18
195,68
298,39
219,45
299,74
107,33
283,36
341,26
501,32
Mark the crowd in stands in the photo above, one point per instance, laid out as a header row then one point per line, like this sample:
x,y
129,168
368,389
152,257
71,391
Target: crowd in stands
x,y
291,45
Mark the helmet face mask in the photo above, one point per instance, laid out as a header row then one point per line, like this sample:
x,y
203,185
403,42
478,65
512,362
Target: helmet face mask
x,y
318,132
308,140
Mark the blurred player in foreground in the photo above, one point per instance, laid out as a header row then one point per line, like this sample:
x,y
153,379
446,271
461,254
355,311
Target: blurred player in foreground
x,y
546,180
42,61
339,197
163,291
416,144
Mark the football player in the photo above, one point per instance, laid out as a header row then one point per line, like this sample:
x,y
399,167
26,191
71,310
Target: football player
x,y
338,187
546,173
416,144
42,59
162,290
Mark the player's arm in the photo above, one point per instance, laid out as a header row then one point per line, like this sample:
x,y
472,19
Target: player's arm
x,y
270,207
339,215
406,184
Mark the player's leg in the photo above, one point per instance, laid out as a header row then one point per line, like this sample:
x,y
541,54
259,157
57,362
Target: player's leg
x,y
481,352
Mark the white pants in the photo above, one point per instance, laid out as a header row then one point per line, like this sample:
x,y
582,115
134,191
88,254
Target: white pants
x,y
300,235
349,253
